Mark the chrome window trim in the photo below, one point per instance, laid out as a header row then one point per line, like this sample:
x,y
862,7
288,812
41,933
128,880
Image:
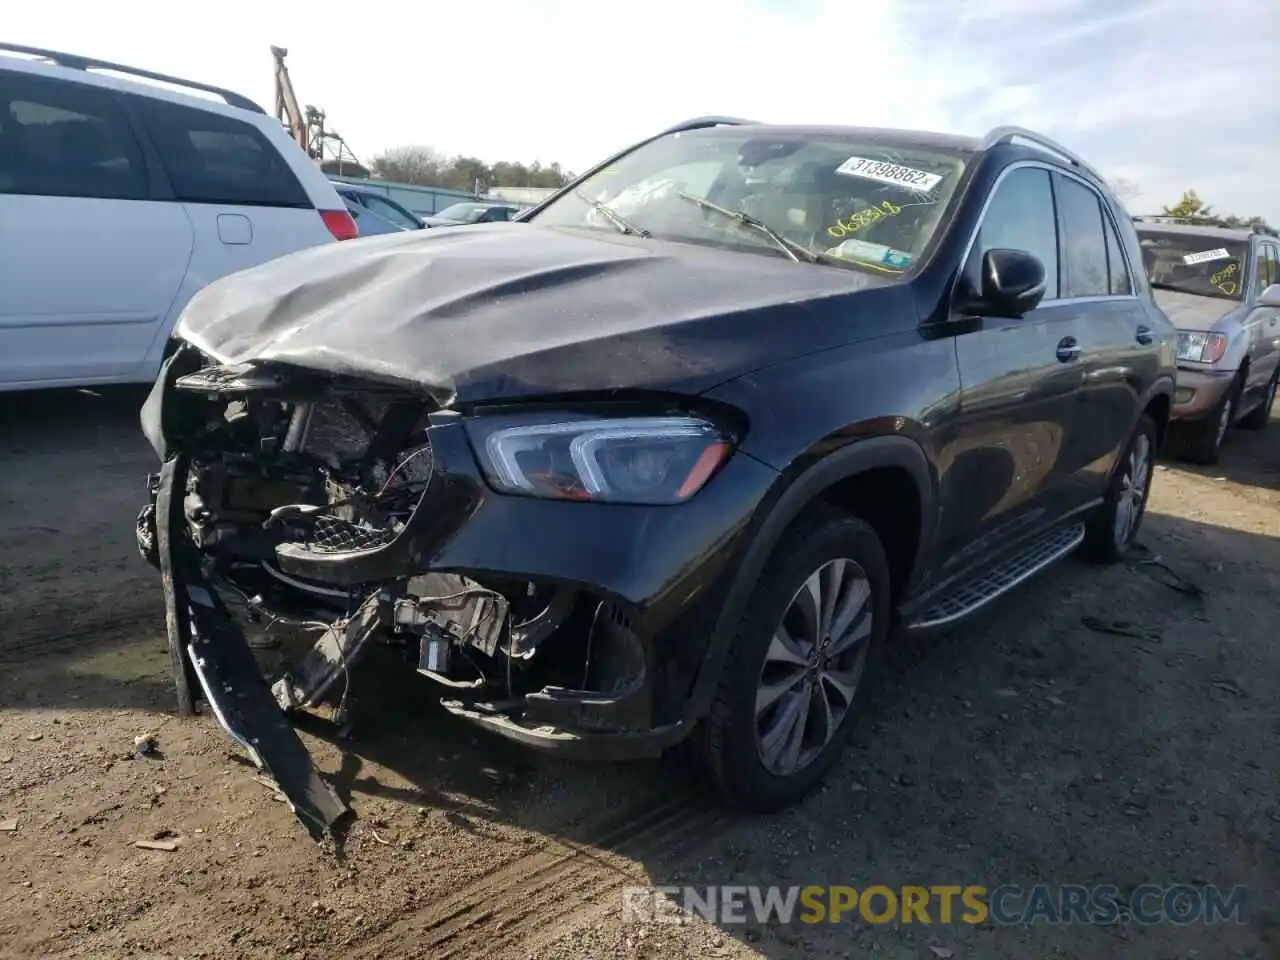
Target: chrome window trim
x,y
1103,207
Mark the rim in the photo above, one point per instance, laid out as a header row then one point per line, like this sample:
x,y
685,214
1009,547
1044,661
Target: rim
x,y
1224,421
1133,489
813,666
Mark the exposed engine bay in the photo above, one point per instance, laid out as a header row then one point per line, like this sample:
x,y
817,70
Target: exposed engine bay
x,y
291,475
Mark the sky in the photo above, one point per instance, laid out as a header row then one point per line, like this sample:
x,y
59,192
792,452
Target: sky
x,y
1166,94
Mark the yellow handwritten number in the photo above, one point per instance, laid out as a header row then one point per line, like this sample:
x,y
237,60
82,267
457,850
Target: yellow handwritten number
x,y
862,219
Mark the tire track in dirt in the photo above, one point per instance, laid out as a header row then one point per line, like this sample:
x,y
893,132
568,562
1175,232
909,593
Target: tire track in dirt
x,y
539,895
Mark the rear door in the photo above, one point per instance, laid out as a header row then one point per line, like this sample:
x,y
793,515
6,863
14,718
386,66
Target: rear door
x,y
89,262
245,204
1119,352
1020,380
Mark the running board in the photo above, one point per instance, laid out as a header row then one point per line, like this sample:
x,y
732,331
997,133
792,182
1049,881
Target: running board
x,y
972,595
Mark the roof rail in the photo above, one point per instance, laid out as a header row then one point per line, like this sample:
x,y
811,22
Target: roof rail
x,y
1008,134
699,123
76,62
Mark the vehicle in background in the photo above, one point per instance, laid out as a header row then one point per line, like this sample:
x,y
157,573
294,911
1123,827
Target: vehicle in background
x,y
471,211
661,463
120,199
1221,289
388,216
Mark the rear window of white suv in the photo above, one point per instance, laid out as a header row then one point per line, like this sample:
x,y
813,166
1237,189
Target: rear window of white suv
x,y
211,158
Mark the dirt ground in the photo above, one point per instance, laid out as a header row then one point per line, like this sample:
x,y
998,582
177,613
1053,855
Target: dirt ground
x,y
1024,747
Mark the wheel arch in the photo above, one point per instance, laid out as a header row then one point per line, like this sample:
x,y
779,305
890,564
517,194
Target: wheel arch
x,y
838,478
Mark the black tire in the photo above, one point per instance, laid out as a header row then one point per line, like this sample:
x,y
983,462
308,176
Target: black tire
x,y
1201,441
727,746
1260,416
1104,539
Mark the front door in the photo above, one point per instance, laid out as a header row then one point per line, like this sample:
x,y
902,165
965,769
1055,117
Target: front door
x,y
1007,471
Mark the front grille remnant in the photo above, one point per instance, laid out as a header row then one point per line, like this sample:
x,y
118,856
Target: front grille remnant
x,y
332,534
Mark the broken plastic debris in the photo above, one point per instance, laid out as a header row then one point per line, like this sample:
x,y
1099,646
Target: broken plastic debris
x,y
145,745
166,846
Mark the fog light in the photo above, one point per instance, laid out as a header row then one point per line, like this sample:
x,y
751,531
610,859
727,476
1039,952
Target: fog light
x,y
1183,395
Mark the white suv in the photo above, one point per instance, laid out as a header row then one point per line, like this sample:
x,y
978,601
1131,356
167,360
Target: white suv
x,y
120,199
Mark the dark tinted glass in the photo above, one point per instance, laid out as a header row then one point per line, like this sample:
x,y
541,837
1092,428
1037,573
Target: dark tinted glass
x,y
1121,282
211,158
1085,271
60,139
1020,217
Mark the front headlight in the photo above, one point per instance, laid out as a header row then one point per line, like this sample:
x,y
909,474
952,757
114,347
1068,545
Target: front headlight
x,y
650,460
1201,347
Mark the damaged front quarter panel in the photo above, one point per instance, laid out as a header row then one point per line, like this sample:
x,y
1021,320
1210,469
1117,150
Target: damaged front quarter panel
x,y
359,510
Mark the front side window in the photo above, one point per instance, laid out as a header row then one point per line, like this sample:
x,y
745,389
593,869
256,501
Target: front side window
x,y
855,201
1196,263
1020,216
61,139
1085,271
1265,272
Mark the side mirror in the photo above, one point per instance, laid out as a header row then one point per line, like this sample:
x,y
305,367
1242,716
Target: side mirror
x,y
1270,296
1013,284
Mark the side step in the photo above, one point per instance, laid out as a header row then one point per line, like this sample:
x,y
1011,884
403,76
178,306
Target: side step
x,y
972,595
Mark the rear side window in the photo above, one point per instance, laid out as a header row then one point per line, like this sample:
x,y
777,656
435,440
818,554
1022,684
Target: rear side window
x,y
1020,217
60,139
1085,261
215,159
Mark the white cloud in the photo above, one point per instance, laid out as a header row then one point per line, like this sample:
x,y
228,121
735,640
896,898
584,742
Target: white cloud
x,y
1168,93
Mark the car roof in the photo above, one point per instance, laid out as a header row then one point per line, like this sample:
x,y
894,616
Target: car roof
x,y
917,138
1193,230
340,185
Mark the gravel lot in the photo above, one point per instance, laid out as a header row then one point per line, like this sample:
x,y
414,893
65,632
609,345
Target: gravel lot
x,y
1024,747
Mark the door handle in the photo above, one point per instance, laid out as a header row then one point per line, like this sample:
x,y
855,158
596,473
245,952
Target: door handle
x,y
1144,336
1068,349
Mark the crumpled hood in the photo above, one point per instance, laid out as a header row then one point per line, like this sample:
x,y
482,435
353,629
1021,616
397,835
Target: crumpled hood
x,y
1191,312
489,311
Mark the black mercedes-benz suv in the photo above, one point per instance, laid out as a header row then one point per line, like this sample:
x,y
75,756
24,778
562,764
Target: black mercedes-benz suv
x,y
663,461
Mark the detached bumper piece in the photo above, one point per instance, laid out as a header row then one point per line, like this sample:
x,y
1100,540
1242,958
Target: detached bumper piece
x,y
222,663
609,721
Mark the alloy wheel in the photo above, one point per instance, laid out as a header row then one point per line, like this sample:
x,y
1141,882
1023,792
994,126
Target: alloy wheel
x,y
1133,489
813,666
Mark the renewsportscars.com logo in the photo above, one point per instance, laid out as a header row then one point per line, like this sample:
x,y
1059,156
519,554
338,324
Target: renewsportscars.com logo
x,y
1005,905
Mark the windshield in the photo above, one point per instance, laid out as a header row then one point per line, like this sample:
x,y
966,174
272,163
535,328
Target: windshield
x,y
1203,265
462,211
867,203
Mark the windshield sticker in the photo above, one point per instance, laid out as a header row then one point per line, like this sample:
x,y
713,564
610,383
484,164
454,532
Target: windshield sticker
x,y
1225,273
861,220
890,173
872,253
1204,256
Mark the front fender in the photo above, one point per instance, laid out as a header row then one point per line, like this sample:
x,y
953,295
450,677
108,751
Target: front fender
x,y
795,492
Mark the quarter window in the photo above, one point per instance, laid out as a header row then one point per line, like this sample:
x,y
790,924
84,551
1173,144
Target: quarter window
x,y
1020,217
1118,273
60,139
211,158
1085,259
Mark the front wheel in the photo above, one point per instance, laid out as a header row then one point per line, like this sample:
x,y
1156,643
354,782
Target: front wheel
x,y
1111,530
799,665
1201,441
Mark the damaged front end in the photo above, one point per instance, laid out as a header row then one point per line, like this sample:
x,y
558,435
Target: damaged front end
x,y
303,519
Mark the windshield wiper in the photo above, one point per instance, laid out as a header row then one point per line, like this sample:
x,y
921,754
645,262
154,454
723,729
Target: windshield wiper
x,y
796,251
612,216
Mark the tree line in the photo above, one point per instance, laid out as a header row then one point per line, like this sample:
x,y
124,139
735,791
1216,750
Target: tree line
x,y
428,167
1192,210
